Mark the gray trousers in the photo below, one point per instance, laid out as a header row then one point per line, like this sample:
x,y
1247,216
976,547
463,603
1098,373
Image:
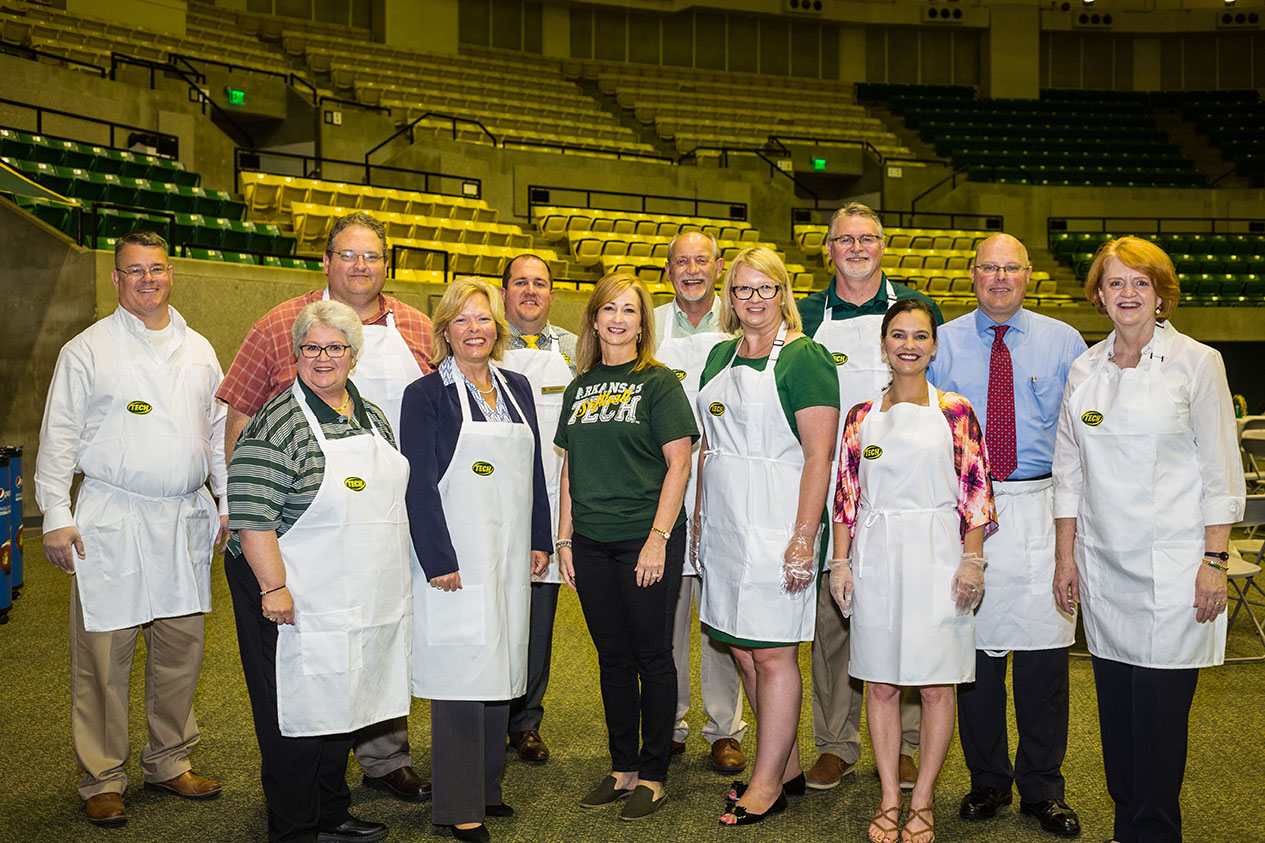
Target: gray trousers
x,y
837,696
721,682
383,747
527,711
467,758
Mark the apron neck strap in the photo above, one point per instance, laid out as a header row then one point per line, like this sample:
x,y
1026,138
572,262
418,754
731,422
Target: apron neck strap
x,y
778,342
390,311
467,402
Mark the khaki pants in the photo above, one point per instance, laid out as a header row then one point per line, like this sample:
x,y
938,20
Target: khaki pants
x,y
100,669
718,674
837,697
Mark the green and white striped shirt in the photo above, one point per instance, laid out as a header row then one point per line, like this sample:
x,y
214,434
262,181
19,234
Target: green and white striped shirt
x,y
277,465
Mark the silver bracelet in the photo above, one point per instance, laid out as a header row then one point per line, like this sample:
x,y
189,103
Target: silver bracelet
x,y
561,543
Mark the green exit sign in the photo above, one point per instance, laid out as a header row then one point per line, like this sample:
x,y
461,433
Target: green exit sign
x,y
819,163
235,96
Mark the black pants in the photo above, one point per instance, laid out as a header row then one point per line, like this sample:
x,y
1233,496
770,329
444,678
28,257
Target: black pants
x,y
467,758
1144,713
527,711
304,779
1041,690
632,630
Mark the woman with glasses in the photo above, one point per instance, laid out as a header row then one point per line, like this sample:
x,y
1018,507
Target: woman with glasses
x,y
912,507
626,433
478,510
770,409
322,607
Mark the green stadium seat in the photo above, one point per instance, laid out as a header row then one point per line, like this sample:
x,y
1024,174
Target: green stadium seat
x,y
238,257
15,144
205,254
59,216
188,230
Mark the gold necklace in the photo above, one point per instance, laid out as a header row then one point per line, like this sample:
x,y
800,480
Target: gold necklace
x,y
339,409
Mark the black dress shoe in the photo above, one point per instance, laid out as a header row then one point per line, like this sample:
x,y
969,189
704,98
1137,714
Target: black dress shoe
x,y
353,831
501,810
1055,816
403,784
478,834
982,803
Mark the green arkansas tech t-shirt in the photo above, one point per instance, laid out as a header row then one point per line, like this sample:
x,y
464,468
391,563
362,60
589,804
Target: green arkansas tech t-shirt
x,y
614,425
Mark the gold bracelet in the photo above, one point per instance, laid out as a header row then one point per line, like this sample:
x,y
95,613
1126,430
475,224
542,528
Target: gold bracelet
x,y
1222,568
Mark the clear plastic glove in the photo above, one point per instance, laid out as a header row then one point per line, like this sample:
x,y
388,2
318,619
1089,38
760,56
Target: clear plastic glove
x,y
696,524
841,584
968,582
800,558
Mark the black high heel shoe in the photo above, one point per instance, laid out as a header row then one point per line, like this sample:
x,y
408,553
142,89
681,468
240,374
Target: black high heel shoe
x,y
797,786
744,817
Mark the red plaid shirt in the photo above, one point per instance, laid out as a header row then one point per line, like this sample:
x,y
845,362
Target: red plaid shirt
x,y
265,363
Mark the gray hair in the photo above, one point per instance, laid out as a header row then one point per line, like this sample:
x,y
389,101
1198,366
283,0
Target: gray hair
x,y
331,314
856,209
715,245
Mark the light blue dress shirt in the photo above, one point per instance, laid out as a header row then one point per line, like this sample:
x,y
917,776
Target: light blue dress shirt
x,y
1041,354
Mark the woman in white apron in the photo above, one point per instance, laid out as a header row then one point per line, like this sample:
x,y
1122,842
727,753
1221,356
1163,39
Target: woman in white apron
x,y
1147,481
913,506
770,410
322,601
479,516
626,431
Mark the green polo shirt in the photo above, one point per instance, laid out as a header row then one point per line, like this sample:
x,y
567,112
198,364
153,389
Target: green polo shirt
x,y
811,307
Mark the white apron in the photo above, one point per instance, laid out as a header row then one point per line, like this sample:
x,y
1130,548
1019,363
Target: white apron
x,y
1018,611
147,521
471,644
906,549
1139,529
344,663
686,356
751,483
384,367
548,372
857,348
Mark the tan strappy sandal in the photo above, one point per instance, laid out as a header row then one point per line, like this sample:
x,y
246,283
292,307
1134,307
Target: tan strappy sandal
x,y
889,818
909,836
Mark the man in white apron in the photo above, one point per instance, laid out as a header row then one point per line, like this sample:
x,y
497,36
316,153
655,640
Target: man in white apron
x,y
132,408
544,353
686,329
1012,364
845,317
396,352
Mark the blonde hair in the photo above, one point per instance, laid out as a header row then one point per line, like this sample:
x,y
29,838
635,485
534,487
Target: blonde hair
x,y
331,314
588,348
764,260
451,305
1141,256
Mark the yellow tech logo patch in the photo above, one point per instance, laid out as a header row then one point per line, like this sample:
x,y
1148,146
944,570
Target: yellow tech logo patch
x,y
840,358
1093,418
355,484
139,408
872,452
680,374
483,469
716,408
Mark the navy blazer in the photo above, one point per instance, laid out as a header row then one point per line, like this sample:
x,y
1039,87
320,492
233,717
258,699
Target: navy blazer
x,y
430,421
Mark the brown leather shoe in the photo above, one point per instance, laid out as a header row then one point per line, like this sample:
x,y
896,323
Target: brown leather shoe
x,y
827,772
908,772
530,747
106,809
189,785
676,748
402,783
727,756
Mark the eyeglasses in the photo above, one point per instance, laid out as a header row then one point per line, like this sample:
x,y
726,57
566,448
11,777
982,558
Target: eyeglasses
x,y
742,292
136,273
333,350
846,240
698,260
993,269
348,256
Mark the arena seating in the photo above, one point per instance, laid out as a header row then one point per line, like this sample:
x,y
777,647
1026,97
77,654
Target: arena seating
x,y
1107,139
1232,121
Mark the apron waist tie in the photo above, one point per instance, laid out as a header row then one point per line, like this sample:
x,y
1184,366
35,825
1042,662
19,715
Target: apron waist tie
x,y
1022,487
872,515
132,494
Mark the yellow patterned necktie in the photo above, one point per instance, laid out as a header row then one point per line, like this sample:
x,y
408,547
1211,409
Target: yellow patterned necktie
x,y
531,340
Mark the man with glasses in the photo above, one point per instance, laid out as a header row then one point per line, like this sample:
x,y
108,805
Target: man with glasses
x,y
1011,364
396,352
846,318
545,354
132,407
686,329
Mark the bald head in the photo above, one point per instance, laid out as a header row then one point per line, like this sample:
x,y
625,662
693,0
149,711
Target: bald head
x,y
999,290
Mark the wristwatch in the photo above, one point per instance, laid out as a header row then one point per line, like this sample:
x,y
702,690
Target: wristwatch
x,y
1212,554
667,534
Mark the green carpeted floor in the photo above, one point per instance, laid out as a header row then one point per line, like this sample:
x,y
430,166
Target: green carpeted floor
x,y
1222,799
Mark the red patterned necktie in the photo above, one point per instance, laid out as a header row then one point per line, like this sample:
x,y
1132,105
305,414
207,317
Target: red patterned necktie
x,y
1000,433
